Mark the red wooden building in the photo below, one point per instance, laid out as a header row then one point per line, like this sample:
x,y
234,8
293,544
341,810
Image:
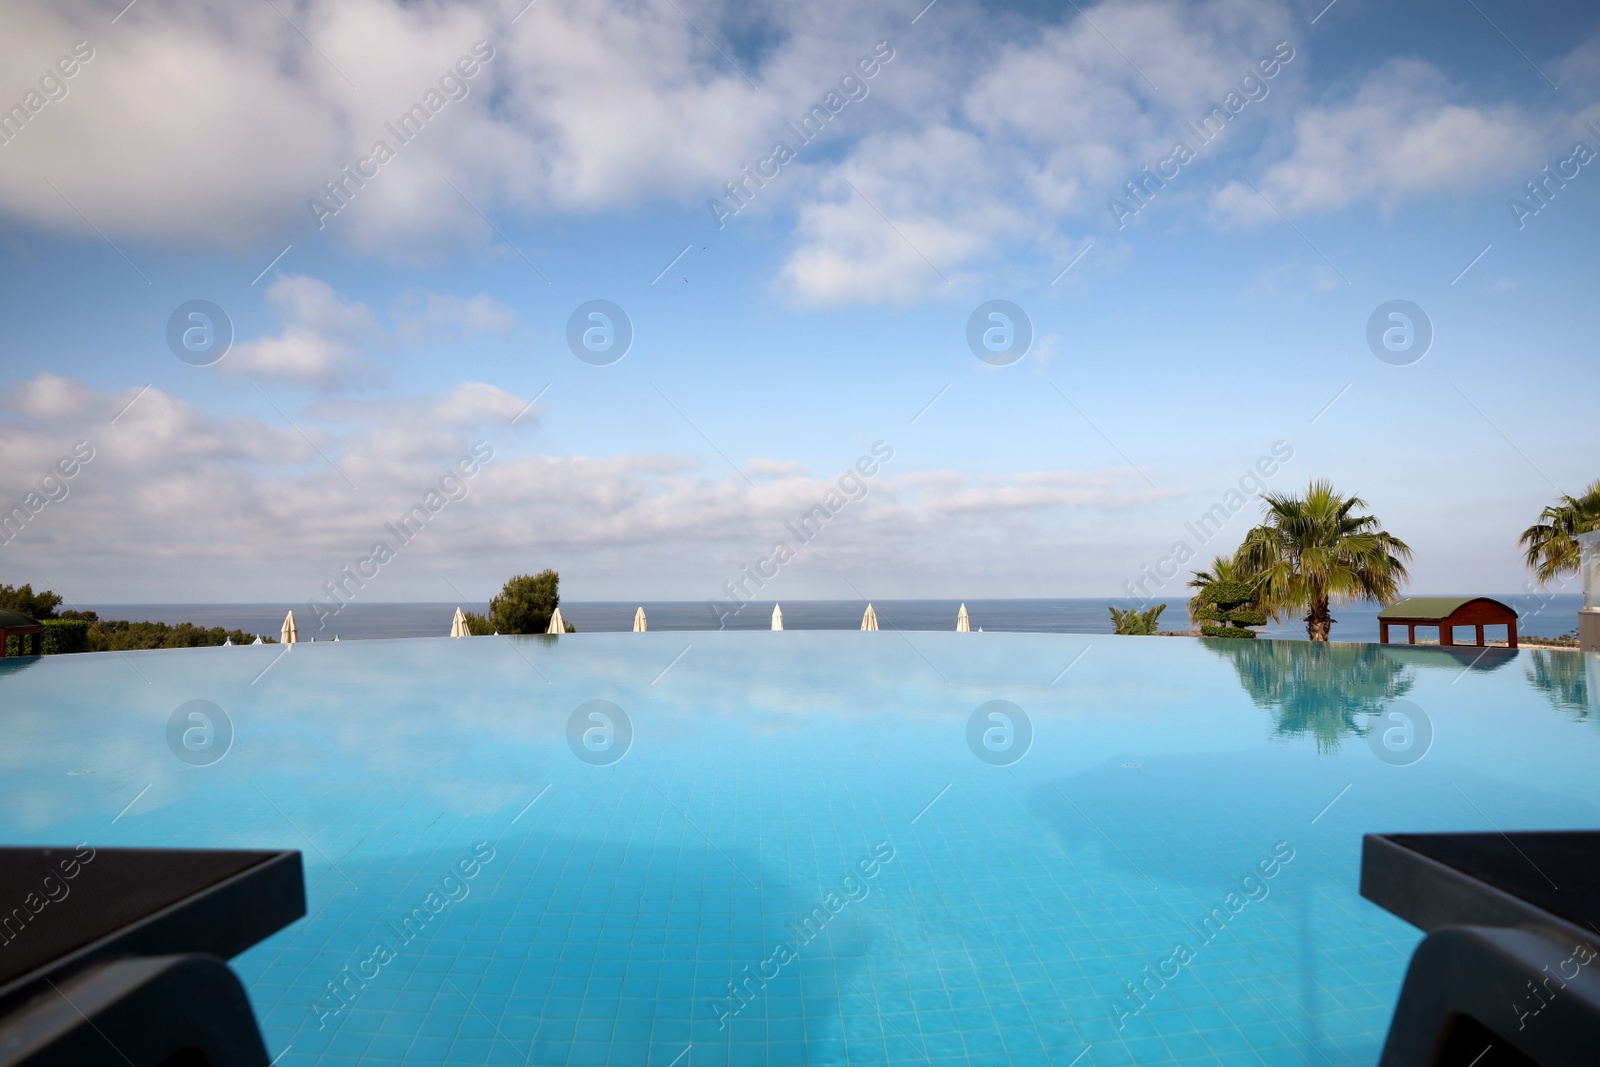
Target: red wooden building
x,y
1446,613
15,624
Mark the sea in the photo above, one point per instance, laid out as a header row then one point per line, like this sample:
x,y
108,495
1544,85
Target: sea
x,y
1543,616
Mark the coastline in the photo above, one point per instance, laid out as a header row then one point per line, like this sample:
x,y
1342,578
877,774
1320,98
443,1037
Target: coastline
x,y
1548,616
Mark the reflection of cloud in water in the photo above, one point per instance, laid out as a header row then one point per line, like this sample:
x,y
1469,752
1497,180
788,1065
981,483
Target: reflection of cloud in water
x,y
338,717
342,716
782,756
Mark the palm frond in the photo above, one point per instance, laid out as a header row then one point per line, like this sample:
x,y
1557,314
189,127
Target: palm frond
x,y
1551,544
1321,549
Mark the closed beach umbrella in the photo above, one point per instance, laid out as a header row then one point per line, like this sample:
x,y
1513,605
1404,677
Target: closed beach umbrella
x,y
558,625
289,635
639,625
963,622
869,621
458,625
777,617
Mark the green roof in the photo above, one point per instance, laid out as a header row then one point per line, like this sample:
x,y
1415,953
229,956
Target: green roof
x,y
1429,607
10,620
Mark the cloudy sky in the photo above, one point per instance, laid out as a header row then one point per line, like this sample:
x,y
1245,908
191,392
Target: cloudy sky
x,y
397,212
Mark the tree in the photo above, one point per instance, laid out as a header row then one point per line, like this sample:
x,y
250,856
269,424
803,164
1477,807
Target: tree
x,y
1316,551
86,631
1232,605
1225,594
525,604
1551,545
1135,622
41,605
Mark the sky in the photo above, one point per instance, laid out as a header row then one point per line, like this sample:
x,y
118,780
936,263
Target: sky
x,y
393,221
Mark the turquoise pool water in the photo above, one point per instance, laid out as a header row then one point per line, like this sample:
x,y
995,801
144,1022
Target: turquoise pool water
x,y
808,852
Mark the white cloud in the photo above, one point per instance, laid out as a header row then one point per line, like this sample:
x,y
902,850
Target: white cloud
x,y
417,420
322,337
236,123
177,503
220,123
1400,136
773,468
185,125
898,218
474,403
423,315
52,398
987,497
1021,150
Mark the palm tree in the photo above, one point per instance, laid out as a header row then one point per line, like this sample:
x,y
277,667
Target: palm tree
x,y
1318,550
1551,543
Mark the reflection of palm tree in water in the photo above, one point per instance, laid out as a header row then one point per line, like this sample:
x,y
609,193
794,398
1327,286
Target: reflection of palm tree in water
x,y
1560,676
1316,688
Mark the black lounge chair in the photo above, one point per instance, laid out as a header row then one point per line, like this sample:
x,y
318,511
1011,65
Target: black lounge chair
x,y
1509,974
115,955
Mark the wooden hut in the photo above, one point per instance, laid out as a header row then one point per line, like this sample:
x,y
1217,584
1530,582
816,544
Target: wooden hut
x,y
16,624
1446,613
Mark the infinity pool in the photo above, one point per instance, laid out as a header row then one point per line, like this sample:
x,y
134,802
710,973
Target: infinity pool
x,y
809,847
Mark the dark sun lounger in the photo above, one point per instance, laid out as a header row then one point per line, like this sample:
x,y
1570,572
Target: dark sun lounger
x,y
115,955
1509,973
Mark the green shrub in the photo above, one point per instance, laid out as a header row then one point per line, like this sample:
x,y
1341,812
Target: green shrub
x,y
1228,594
1226,631
1123,620
119,635
1229,602
65,635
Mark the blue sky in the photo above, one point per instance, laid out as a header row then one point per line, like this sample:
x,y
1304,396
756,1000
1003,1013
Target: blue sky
x,y
1230,312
